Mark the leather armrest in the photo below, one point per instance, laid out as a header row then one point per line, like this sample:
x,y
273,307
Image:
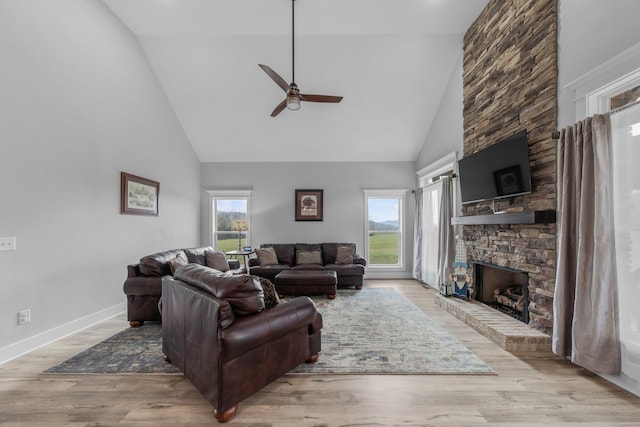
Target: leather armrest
x,y
254,262
143,286
133,270
252,331
357,259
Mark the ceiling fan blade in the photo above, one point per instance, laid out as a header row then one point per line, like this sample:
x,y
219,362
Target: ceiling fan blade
x,y
276,78
279,108
320,98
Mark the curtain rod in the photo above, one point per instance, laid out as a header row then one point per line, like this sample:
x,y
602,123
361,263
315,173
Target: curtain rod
x,y
624,107
556,134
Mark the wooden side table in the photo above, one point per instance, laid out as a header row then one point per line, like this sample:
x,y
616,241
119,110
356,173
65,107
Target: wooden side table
x,y
244,254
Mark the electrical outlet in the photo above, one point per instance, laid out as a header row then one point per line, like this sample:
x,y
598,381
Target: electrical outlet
x,y
24,317
7,243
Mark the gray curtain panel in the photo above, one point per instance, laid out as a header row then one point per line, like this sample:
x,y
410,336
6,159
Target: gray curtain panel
x,y
585,302
417,236
446,244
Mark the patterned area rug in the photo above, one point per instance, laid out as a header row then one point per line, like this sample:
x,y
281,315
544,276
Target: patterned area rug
x,y
379,331
372,331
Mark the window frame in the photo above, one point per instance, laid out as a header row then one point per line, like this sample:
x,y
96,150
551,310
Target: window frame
x,y
214,196
400,195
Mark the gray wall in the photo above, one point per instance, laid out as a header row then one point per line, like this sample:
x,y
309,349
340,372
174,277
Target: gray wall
x,y
590,32
446,132
80,104
272,200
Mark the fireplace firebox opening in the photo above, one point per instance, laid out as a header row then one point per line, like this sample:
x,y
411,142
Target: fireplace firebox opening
x,y
502,288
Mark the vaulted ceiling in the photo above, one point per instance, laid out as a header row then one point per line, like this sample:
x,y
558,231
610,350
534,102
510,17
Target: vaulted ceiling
x,y
391,60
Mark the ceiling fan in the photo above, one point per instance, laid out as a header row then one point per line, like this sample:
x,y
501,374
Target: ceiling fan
x,y
292,101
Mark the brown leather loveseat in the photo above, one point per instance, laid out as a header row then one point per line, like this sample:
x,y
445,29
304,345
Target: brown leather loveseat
x,y
143,285
218,332
339,257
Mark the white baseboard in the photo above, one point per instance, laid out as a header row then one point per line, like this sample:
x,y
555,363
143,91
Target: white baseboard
x,y
35,342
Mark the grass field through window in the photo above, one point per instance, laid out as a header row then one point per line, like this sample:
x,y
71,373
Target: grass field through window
x,y
383,248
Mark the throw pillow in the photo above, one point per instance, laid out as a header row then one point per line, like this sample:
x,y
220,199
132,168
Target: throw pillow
x,y
217,260
271,297
177,262
267,256
345,254
309,257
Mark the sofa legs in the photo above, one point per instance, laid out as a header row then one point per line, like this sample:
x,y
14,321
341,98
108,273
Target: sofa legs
x,y
136,323
226,415
312,359
358,287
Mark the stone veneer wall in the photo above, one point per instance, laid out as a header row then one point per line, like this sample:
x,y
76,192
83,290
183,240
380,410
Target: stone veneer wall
x,y
510,83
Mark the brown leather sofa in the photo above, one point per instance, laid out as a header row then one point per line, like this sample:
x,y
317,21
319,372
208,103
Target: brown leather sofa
x,y
217,331
143,285
349,274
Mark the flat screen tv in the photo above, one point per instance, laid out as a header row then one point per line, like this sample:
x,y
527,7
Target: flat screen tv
x,y
497,171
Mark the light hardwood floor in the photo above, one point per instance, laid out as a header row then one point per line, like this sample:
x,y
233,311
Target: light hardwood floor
x,y
529,390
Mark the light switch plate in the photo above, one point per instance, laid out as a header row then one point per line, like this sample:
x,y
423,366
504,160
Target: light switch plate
x,y
7,243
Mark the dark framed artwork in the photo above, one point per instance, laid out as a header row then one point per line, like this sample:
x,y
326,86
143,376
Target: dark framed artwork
x,y
138,196
508,180
308,205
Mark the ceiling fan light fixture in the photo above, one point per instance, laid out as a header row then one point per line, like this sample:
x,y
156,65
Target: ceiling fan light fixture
x,y
293,102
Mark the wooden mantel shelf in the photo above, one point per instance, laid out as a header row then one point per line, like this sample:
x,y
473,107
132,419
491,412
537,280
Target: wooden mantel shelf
x,y
527,217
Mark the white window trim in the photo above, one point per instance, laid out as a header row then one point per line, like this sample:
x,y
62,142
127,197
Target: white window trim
x,y
599,101
395,193
587,86
229,194
437,168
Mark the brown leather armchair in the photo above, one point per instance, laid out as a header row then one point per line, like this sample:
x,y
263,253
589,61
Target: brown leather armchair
x,y
217,331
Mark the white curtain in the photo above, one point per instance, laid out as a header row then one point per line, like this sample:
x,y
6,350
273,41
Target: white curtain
x,y
417,236
446,243
625,125
430,233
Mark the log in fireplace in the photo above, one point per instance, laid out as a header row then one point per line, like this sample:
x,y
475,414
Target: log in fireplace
x,y
502,288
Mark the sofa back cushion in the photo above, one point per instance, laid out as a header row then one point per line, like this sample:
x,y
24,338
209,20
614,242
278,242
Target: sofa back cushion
x,y
158,264
198,255
267,256
216,260
177,262
330,251
284,252
242,291
308,257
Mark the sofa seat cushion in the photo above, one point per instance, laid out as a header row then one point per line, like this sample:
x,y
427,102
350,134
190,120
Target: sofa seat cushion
x,y
251,332
307,267
346,269
242,291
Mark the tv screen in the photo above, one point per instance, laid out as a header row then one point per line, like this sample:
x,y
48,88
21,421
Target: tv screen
x,y
499,170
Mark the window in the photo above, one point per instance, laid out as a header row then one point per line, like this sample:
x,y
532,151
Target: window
x,y
619,93
384,231
230,225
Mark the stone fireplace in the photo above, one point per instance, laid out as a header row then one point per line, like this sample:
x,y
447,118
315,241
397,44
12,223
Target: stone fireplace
x,y
510,79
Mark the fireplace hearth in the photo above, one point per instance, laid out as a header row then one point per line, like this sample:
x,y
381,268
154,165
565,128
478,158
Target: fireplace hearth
x,y
502,288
